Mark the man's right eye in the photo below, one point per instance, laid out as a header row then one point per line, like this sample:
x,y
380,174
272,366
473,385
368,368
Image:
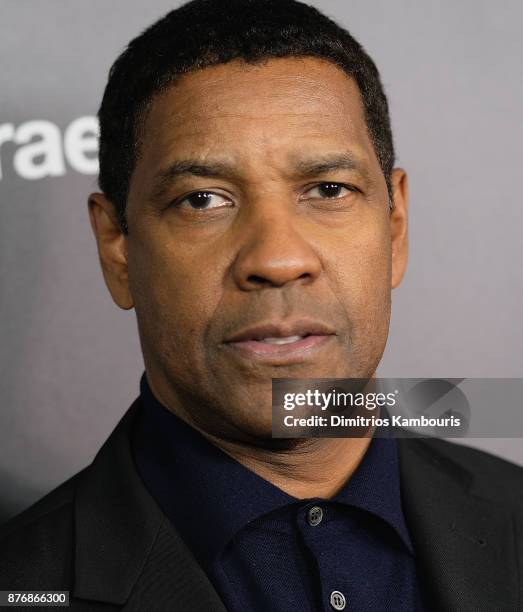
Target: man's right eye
x,y
203,200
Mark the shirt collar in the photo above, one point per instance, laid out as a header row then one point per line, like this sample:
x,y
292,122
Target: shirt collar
x,y
209,496
375,485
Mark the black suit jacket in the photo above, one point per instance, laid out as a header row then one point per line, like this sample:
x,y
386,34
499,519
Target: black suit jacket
x,y
101,536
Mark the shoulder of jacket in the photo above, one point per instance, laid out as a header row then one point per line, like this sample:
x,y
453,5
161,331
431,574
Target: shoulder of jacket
x,y
52,501
493,477
36,545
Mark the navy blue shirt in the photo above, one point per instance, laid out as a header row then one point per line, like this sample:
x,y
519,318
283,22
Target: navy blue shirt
x,y
265,550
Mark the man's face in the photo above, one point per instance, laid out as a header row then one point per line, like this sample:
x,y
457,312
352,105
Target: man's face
x,y
259,239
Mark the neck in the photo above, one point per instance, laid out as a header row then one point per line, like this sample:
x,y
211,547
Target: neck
x,y
319,467
315,467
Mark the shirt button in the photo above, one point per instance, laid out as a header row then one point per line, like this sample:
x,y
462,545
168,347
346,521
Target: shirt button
x,y
314,516
337,600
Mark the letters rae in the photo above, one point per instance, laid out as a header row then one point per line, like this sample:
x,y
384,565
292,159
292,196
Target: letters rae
x,y
42,151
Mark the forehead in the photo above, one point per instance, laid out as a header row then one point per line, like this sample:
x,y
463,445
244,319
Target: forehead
x,y
238,108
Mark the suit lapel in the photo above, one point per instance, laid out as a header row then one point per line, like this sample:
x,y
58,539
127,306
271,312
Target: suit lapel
x,y
465,544
126,552
172,580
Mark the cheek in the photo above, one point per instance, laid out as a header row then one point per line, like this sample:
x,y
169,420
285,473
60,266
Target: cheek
x,y
362,268
363,260
174,301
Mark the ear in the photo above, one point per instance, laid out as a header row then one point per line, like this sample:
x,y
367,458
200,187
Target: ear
x,y
399,225
112,248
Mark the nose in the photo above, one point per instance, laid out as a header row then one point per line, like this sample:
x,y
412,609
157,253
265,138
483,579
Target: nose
x,y
273,253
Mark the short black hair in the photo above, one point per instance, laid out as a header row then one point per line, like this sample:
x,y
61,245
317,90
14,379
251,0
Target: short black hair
x,y
204,33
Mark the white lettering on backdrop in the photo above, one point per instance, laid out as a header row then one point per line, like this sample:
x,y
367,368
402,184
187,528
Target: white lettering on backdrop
x,y
42,150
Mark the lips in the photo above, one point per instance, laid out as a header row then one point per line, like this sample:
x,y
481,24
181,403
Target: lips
x,y
282,331
286,340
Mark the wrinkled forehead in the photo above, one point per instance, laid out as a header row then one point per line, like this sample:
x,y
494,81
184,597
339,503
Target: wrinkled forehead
x,y
281,105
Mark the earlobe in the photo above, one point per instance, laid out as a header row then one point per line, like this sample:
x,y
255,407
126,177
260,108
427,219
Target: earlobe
x,y
399,226
112,249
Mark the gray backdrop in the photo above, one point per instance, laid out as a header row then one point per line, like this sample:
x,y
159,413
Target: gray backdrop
x,y
71,359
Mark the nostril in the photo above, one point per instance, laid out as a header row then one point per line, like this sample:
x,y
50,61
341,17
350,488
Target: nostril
x,y
258,280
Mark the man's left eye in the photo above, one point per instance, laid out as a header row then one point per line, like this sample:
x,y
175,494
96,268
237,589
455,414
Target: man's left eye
x,y
328,190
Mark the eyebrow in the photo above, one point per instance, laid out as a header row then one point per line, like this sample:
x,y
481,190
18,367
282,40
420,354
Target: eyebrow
x,y
221,169
329,163
190,167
